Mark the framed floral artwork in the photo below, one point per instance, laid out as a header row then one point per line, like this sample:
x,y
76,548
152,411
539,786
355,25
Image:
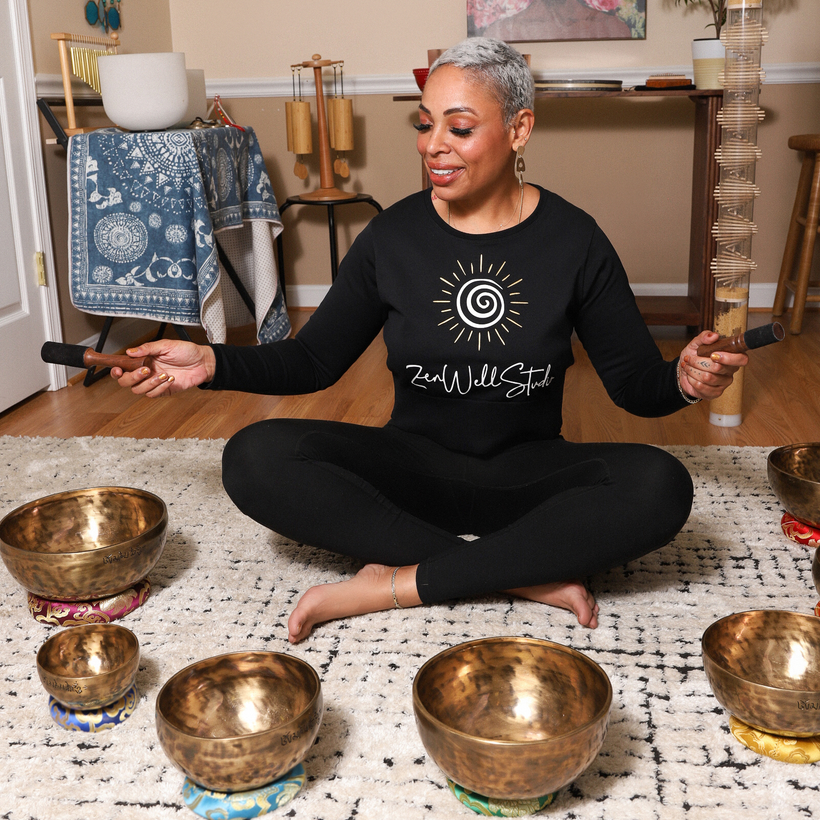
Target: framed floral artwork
x,y
529,21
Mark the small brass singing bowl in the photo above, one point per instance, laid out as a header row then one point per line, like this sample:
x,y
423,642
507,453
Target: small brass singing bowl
x,y
90,665
512,718
794,476
239,721
763,667
82,545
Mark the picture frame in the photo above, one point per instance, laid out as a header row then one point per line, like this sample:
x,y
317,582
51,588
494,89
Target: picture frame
x,y
528,21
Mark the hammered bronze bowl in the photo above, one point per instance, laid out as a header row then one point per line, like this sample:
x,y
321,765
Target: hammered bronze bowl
x,y
794,476
239,721
512,718
82,545
764,668
90,665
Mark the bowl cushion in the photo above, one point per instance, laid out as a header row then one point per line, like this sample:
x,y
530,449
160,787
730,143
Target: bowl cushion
x,y
784,749
492,807
102,611
799,532
94,720
251,803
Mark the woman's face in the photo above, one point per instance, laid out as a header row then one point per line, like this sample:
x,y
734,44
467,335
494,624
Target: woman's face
x,y
462,139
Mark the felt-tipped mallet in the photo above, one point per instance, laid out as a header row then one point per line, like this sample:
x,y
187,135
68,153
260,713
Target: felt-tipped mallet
x,y
87,357
756,337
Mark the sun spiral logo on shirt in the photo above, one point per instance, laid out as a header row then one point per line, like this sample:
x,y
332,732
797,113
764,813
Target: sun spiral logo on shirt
x,y
480,306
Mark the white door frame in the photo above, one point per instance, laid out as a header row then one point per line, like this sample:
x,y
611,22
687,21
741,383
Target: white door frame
x,y
35,176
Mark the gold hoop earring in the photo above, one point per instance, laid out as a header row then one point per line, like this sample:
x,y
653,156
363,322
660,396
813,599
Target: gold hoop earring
x,y
520,167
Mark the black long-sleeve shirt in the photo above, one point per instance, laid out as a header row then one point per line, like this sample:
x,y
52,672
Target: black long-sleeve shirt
x,y
478,327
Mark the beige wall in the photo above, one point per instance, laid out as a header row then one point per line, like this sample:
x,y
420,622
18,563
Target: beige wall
x,y
392,36
627,162
146,27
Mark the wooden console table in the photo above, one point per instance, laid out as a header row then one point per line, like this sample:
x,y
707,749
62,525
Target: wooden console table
x,y
696,309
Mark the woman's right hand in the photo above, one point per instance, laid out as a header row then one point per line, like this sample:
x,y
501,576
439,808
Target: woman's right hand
x,y
171,366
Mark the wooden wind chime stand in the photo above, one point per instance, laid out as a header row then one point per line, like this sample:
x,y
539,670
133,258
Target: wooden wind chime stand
x,y
335,128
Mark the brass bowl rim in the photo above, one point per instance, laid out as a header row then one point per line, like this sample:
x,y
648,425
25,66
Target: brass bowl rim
x,y
802,616
240,653
417,703
770,458
163,520
87,628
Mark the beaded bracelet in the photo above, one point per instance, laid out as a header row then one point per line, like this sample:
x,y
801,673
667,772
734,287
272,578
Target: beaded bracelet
x,y
686,397
396,603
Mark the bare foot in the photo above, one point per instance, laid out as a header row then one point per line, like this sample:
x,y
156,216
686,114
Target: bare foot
x,y
369,590
570,595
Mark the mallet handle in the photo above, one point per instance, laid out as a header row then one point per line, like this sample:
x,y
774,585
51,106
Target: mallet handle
x,y
86,357
757,337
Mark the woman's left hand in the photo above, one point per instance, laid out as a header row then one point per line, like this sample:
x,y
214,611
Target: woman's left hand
x,y
706,377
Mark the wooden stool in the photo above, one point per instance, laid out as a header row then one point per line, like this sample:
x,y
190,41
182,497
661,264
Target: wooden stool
x,y
805,217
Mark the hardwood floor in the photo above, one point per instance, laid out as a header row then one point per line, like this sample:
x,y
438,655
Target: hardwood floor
x,y
781,402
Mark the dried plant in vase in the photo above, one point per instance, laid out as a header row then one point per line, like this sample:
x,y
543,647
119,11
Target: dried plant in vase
x,y
716,7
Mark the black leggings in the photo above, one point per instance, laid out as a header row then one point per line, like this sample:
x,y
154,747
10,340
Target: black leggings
x,y
543,511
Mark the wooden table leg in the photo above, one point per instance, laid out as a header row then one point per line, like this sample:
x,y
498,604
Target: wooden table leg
x,y
705,178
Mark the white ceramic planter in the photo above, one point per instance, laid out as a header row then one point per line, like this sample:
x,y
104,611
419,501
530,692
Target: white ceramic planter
x,y
144,92
708,60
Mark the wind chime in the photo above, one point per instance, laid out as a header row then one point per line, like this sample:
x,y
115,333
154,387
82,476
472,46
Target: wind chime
x,y
78,56
335,128
742,35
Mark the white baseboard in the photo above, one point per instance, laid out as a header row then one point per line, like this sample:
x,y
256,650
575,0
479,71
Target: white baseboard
x,y
760,296
306,296
126,330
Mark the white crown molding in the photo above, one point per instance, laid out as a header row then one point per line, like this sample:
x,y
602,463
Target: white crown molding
x,y
50,85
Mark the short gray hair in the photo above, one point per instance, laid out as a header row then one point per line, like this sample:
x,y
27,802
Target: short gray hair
x,y
497,66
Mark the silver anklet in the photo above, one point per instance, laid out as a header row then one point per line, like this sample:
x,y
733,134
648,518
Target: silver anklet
x,y
396,603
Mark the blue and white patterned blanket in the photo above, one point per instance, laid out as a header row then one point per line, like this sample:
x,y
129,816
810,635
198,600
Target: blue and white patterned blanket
x,y
144,211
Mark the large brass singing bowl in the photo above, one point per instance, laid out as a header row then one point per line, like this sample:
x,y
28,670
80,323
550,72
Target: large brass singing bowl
x,y
82,545
239,721
90,665
764,668
512,718
794,475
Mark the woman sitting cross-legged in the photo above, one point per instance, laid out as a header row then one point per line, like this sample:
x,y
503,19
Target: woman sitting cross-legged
x,y
478,284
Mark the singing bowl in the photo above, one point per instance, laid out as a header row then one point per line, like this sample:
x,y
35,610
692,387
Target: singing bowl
x,y
512,718
239,721
89,666
794,476
763,667
82,545
144,92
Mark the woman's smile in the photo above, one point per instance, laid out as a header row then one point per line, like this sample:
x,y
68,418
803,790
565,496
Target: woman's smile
x,y
443,175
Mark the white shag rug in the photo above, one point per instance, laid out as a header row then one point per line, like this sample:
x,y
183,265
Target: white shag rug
x,y
224,584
